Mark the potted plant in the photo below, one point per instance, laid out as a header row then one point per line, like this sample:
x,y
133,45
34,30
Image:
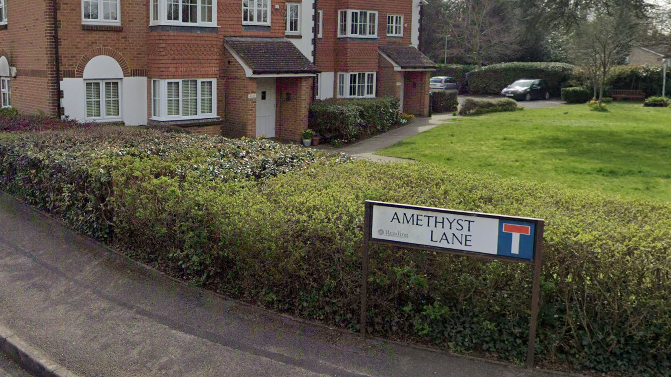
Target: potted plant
x,y
315,139
307,137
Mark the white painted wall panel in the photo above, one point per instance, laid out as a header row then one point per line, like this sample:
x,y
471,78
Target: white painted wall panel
x,y
74,99
305,43
327,85
134,101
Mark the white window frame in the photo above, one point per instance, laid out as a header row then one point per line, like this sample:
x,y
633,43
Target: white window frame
x,y
395,23
161,18
298,19
5,92
354,23
101,20
3,16
103,101
351,86
252,9
161,114
320,26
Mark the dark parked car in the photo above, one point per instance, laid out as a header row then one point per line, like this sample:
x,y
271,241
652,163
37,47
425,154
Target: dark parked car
x,y
444,83
527,89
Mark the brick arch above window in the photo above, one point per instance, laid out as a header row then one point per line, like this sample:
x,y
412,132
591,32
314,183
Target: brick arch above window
x,y
107,51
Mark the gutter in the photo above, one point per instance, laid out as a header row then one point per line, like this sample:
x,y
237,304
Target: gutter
x,y
57,59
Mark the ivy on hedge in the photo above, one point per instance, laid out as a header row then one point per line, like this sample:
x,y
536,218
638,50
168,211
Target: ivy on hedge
x,y
282,227
493,78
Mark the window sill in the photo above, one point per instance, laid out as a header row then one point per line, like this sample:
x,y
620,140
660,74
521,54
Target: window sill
x,y
104,120
184,29
101,27
395,36
355,38
214,120
293,36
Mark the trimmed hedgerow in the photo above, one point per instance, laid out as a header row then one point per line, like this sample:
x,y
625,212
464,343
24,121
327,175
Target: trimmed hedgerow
x,y
10,120
645,78
655,101
352,119
493,78
473,106
212,212
576,95
444,101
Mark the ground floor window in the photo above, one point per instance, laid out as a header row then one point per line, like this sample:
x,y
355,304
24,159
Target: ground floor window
x,y
183,99
356,84
103,99
5,93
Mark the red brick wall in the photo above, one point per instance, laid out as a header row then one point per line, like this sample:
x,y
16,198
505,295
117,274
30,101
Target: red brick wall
x,y
356,55
293,113
239,111
387,79
417,93
27,43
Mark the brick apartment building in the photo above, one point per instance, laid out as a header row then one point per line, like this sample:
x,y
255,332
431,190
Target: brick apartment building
x,y
237,67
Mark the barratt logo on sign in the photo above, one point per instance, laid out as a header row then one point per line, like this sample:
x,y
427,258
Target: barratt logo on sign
x,y
478,233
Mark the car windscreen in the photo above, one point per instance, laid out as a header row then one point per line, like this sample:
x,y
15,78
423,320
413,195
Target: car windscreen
x,y
523,83
436,81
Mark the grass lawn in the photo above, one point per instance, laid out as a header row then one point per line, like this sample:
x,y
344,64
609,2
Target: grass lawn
x,y
625,151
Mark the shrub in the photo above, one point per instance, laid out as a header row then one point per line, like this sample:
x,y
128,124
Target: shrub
x,y
8,112
404,118
492,79
576,95
656,102
192,207
594,105
15,122
353,119
472,106
444,102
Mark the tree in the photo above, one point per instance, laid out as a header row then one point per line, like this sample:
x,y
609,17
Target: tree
x,y
602,41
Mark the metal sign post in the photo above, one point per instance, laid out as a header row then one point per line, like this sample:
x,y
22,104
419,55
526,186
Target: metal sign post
x,y
481,235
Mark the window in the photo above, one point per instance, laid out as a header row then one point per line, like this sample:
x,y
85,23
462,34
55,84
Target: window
x,y
3,13
100,11
356,85
183,12
256,12
320,23
183,99
5,93
102,100
395,25
357,24
293,18
318,78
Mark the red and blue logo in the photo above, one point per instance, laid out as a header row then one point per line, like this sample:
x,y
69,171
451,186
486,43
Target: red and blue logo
x,y
516,239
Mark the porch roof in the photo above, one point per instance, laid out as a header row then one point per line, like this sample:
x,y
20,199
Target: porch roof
x,y
407,57
267,56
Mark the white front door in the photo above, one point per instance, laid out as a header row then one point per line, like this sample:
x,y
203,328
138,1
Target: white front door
x,y
265,107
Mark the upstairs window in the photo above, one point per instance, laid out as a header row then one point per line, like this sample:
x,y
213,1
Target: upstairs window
x,y
183,12
101,11
356,85
256,12
357,24
395,25
320,23
293,18
3,13
5,93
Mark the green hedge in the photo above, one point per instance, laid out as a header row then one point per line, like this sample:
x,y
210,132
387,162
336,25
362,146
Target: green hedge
x,y
645,78
472,106
493,78
216,213
444,101
458,71
352,119
656,102
576,95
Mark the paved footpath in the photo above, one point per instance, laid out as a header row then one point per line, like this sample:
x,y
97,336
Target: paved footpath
x,y
91,312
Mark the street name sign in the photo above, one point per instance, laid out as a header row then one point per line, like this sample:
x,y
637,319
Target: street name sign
x,y
481,235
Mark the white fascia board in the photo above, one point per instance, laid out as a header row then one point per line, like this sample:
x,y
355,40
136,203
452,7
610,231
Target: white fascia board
x,y
397,67
248,71
652,52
